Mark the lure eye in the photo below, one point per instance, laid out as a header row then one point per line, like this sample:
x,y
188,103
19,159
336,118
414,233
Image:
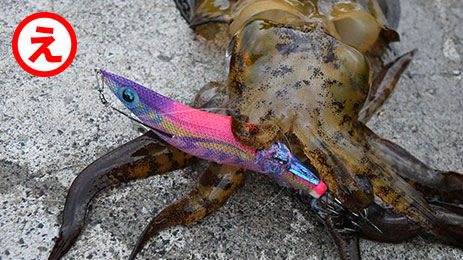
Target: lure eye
x,y
128,95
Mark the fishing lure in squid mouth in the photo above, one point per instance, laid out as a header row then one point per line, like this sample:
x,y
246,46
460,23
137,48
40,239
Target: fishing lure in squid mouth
x,y
208,136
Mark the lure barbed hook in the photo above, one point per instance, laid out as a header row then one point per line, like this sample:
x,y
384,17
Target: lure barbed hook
x,y
100,86
105,102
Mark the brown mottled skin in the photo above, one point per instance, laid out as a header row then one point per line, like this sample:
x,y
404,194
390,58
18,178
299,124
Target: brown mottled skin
x,y
311,73
140,158
314,86
215,186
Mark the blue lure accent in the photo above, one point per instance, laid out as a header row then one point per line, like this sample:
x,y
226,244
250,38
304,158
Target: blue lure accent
x,y
282,153
295,166
272,160
283,161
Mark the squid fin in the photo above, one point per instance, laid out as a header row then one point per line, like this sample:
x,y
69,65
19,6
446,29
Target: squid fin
x,y
197,12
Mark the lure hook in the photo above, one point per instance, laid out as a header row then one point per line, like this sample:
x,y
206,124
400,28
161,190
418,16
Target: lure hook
x,y
100,86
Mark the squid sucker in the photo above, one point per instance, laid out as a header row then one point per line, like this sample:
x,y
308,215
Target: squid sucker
x,y
305,76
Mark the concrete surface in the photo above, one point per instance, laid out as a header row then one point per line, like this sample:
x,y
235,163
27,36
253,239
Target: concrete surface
x,y
51,128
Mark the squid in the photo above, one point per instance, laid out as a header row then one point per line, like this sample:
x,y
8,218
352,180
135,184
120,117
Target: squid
x,y
305,76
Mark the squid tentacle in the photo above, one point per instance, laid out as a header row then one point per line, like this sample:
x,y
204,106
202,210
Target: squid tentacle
x,y
341,225
396,227
363,154
140,158
384,84
447,186
394,162
347,242
215,186
388,225
373,223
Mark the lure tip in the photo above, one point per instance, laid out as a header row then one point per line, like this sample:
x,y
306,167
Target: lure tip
x,y
319,189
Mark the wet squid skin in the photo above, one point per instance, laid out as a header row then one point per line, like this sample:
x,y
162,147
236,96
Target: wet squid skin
x,y
142,157
311,70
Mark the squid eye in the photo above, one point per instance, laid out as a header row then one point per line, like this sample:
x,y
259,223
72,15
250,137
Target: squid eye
x,y
128,95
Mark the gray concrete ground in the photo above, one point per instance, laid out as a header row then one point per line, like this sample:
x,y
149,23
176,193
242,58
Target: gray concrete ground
x,y
51,128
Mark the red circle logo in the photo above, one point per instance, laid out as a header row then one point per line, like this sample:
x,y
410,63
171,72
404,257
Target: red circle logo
x,y
44,44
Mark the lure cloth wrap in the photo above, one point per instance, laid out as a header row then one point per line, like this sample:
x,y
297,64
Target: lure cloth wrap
x,y
208,135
